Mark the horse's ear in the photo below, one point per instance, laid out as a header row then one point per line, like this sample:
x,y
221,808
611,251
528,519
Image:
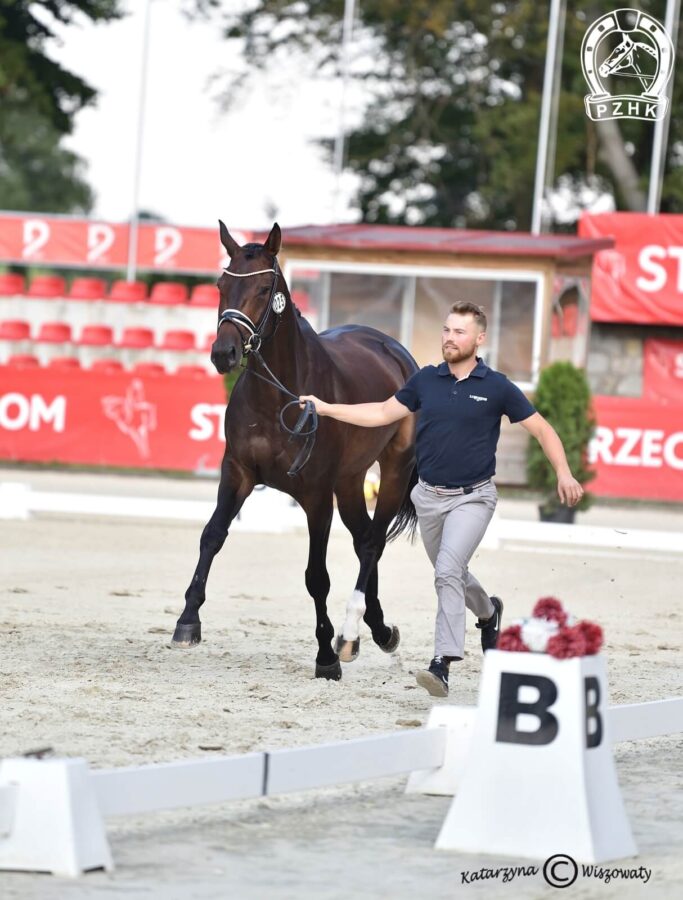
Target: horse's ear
x,y
228,241
274,240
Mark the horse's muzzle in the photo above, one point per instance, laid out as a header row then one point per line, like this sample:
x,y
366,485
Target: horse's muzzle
x,y
224,358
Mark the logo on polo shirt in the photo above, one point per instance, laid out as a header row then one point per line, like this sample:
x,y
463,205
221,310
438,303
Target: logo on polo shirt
x,y
475,397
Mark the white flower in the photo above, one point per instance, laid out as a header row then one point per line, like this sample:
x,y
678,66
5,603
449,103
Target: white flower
x,y
537,632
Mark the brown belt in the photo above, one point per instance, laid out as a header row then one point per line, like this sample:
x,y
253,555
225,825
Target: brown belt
x,y
453,492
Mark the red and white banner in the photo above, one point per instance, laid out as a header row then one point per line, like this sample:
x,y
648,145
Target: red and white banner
x,y
663,372
112,419
637,450
86,243
641,279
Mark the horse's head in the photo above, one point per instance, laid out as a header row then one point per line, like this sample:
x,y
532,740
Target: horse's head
x,y
250,297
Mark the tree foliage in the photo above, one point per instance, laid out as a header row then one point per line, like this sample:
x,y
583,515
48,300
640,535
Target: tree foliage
x,y
38,101
450,137
563,397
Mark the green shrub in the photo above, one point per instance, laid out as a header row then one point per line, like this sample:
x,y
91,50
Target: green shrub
x,y
563,397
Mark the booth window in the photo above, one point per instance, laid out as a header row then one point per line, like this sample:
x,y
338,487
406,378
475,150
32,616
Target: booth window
x,y
411,307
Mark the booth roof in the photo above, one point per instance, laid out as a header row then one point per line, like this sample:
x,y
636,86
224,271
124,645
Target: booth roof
x,y
443,240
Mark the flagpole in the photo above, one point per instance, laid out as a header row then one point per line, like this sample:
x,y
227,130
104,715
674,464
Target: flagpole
x,y
134,218
338,165
661,133
545,153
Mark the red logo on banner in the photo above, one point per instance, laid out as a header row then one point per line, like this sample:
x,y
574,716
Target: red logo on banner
x,y
133,415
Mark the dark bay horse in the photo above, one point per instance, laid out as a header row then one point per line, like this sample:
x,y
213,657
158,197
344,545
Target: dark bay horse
x,y
350,364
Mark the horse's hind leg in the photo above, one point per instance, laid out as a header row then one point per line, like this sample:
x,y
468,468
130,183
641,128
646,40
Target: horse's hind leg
x,y
363,603
235,486
319,515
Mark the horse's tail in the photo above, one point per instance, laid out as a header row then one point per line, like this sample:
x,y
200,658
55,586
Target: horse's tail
x,y
406,517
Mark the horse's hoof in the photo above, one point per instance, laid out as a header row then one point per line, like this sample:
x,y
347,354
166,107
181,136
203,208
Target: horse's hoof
x,y
332,673
393,642
347,650
187,635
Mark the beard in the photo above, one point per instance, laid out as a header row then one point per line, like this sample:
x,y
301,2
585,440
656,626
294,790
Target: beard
x,y
453,354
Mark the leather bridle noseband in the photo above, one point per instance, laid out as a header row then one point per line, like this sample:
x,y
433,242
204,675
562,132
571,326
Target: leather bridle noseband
x,y
277,303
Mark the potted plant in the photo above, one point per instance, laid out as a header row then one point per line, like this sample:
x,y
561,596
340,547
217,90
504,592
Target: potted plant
x,y
563,397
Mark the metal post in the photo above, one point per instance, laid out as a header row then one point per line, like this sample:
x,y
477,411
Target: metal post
x,y
133,230
555,33
349,11
661,135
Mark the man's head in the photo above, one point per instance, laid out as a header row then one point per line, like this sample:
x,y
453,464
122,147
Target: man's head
x,y
463,331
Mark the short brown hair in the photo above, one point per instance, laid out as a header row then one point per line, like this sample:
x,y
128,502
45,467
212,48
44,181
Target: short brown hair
x,y
465,308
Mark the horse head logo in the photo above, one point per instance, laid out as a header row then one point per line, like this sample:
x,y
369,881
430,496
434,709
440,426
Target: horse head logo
x,y
627,43
133,415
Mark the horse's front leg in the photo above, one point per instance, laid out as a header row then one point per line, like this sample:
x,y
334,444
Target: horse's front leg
x,y
319,515
235,486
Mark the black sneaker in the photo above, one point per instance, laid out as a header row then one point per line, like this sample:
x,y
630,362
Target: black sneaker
x,y
435,678
490,628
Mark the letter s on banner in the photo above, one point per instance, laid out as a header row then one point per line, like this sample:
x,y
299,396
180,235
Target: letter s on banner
x,y
205,429
36,235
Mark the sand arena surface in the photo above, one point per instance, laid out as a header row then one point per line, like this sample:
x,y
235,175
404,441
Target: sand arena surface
x,y
88,609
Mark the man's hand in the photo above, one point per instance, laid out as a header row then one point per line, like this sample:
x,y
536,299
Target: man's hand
x,y
320,405
569,490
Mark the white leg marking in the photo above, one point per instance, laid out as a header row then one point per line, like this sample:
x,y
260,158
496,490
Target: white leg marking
x,y
355,610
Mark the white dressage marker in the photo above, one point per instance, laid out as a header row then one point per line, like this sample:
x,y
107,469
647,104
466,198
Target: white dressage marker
x,y
540,776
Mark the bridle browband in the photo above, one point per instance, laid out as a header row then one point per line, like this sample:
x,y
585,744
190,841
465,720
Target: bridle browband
x,y
251,346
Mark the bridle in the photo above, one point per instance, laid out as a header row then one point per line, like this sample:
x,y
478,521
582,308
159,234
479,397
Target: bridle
x,y
277,302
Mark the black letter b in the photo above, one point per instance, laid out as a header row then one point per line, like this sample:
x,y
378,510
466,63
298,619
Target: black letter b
x,y
509,708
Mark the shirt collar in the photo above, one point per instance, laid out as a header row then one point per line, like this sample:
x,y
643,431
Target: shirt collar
x,y
479,371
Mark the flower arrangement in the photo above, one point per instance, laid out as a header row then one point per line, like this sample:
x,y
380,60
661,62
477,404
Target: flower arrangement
x,y
552,630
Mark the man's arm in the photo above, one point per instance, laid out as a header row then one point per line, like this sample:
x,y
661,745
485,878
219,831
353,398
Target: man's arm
x,y
367,414
568,488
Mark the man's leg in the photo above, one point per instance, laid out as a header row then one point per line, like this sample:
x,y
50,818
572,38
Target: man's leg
x,y
464,527
476,598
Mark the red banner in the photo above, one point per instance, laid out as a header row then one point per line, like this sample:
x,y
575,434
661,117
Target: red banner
x,y
61,241
663,371
641,279
637,450
112,419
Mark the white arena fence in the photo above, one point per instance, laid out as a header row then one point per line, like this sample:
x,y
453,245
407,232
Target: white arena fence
x,y
268,510
51,810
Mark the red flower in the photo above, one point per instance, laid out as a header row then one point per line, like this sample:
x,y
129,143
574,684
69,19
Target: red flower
x,y
550,608
511,639
567,643
593,636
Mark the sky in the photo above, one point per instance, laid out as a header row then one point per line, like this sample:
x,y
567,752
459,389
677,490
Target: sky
x,y
199,162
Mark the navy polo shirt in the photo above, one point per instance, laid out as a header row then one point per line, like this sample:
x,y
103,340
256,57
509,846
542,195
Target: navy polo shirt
x,y
459,422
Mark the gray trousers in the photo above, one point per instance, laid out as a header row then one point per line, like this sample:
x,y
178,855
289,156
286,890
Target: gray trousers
x,y
452,528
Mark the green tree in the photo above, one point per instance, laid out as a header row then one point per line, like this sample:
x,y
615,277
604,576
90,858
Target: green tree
x,y
450,138
38,101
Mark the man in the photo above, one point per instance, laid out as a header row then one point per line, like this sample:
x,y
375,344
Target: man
x,y
461,404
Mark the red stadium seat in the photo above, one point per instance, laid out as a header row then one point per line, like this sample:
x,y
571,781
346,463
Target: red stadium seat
x,y
54,333
96,336
128,292
11,284
205,295
168,293
87,289
178,340
107,365
47,286
15,330
136,338
149,368
24,361
64,362
192,372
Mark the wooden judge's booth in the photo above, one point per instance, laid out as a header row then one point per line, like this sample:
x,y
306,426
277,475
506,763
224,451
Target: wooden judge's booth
x,y
535,291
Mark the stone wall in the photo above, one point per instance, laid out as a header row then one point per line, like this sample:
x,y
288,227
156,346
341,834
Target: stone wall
x,y
615,356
